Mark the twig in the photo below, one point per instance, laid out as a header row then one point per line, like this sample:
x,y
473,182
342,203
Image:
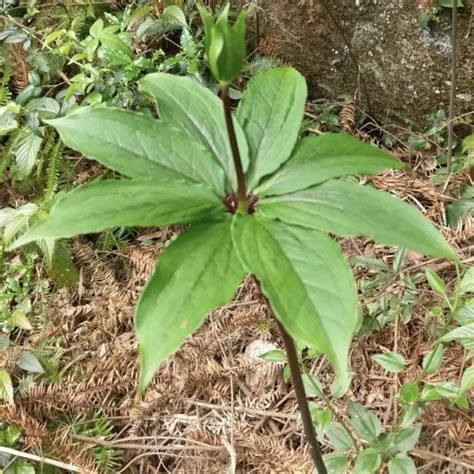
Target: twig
x,y
159,448
144,455
395,381
355,59
452,95
427,455
233,455
249,411
40,459
334,412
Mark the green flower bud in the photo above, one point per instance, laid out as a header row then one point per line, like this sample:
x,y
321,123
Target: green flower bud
x,y
225,44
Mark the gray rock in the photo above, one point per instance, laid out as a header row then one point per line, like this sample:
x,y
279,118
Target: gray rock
x,y
375,49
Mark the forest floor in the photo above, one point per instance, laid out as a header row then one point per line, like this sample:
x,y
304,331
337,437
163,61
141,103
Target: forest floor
x,y
216,406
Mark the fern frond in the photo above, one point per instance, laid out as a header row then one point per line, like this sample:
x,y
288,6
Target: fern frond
x,y
8,153
5,93
78,23
20,74
260,64
347,115
43,155
106,459
52,174
113,239
106,241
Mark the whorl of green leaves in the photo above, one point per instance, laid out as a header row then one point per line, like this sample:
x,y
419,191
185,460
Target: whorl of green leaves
x,y
179,170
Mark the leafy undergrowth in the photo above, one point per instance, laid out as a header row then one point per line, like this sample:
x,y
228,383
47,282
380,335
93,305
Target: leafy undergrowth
x,y
68,354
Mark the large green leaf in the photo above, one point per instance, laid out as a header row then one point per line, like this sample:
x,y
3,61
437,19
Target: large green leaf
x,y
366,423
197,273
317,159
270,112
137,145
401,464
195,110
350,209
307,280
368,461
391,361
145,202
339,438
336,462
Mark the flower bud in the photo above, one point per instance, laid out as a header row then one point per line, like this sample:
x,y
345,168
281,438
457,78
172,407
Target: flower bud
x,y
224,44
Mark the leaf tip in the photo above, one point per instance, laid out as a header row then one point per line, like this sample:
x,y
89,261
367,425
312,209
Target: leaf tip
x,y
341,384
450,254
146,376
402,166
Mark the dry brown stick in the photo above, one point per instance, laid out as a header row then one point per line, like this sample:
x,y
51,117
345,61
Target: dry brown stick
x,y
427,455
40,459
395,381
160,449
172,455
452,94
249,411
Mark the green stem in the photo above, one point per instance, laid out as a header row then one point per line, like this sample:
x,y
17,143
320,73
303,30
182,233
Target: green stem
x,y
452,308
241,187
303,406
336,415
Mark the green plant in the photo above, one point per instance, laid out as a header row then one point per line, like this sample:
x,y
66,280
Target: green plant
x,y
361,438
379,446
224,44
17,288
259,202
106,458
431,14
462,208
360,443
9,464
378,307
22,122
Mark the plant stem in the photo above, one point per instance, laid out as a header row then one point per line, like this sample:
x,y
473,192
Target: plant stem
x,y
241,188
302,400
452,308
452,95
336,415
